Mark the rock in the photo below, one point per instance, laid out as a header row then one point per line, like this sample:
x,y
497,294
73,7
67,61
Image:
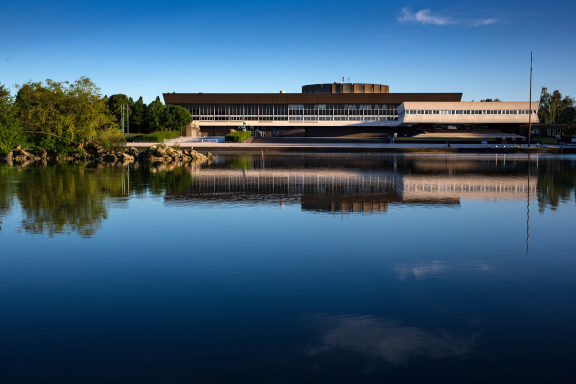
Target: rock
x,y
133,152
94,149
9,156
42,154
210,156
18,148
110,157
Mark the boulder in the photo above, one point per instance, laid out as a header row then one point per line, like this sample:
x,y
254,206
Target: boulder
x,y
133,152
210,156
94,149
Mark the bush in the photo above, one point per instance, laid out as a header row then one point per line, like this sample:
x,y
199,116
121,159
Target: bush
x,y
159,137
238,137
111,139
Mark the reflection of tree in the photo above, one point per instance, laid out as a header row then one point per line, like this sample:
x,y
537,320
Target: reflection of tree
x,y
6,192
555,184
68,198
65,198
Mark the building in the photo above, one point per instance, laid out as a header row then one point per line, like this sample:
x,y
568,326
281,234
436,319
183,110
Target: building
x,y
346,109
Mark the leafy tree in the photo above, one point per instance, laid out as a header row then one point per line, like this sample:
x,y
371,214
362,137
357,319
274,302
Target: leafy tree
x,y
154,113
176,118
115,106
11,133
555,109
490,100
138,117
63,116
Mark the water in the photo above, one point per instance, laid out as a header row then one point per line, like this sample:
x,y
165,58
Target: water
x,y
290,268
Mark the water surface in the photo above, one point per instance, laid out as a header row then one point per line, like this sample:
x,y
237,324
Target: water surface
x,y
290,268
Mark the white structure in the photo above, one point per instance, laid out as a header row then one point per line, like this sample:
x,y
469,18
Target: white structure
x,y
466,113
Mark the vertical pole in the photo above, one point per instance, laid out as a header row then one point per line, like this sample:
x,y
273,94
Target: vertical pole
x,y
528,208
530,112
122,116
127,118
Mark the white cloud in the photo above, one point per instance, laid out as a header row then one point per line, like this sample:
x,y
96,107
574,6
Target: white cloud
x,y
424,270
389,340
424,16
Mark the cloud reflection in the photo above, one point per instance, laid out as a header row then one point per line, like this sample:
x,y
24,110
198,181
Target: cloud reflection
x,y
424,270
389,340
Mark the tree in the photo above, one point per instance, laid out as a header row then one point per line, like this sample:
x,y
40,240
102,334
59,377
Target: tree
x,y
555,109
115,103
11,133
138,117
176,118
490,100
63,116
154,113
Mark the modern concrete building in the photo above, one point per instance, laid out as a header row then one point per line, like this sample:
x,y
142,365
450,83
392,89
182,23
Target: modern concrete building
x,y
346,109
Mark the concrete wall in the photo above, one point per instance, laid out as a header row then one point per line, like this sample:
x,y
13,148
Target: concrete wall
x,y
465,118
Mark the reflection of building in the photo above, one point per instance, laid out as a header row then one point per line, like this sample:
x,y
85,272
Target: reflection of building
x,y
346,190
345,109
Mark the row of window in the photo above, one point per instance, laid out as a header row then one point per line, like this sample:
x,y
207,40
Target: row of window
x,y
295,118
291,109
467,112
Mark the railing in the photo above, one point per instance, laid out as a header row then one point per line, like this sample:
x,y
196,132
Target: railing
x,y
179,140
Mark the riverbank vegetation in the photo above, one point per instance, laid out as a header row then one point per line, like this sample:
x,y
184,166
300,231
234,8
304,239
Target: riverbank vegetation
x,y
62,117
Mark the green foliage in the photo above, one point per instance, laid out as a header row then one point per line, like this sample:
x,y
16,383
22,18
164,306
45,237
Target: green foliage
x,y
115,107
175,117
490,100
62,116
555,109
158,137
11,133
154,114
570,130
238,137
112,140
138,116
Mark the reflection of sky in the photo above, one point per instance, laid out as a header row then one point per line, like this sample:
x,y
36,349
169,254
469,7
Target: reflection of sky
x,y
423,270
388,339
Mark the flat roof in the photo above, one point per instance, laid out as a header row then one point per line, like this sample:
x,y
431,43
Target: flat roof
x,y
306,98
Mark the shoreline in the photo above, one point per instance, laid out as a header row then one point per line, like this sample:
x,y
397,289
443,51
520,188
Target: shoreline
x,y
364,148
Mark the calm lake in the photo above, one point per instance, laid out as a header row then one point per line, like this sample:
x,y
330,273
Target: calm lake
x,y
364,268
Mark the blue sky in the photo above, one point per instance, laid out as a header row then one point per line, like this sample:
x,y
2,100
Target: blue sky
x,y
145,48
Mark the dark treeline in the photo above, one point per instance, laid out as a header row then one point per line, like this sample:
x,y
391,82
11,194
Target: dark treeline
x,y
144,118
64,116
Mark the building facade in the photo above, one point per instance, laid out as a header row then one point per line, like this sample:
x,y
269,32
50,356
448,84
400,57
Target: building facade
x,y
332,110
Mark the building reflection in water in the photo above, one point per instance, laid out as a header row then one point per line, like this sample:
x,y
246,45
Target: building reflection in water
x,y
359,185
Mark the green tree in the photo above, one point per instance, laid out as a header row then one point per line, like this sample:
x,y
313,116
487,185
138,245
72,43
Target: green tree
x,y
555,109
63,116
11,133
154,113
115,103
176,118
139,115
490,100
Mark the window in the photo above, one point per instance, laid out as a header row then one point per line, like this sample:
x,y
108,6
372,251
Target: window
x,y
280,109
206,110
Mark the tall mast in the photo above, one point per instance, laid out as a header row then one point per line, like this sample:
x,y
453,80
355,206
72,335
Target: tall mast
x,y
530,112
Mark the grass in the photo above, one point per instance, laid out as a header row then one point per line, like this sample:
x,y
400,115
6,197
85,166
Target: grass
x,y
158,137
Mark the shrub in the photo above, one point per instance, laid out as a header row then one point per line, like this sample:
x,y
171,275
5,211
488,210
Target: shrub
x,y
238,137
158,137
